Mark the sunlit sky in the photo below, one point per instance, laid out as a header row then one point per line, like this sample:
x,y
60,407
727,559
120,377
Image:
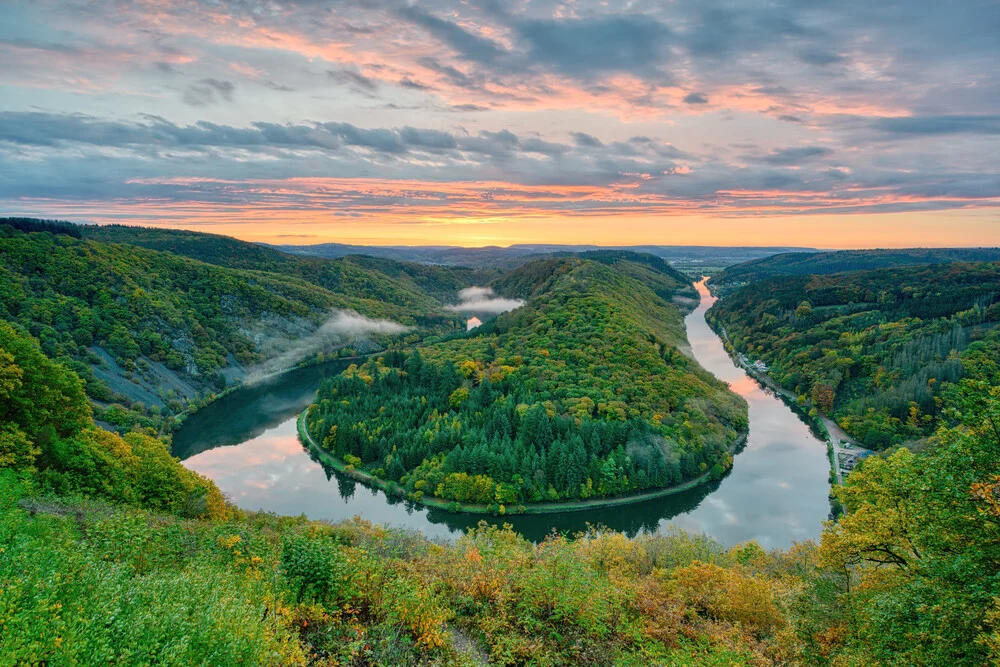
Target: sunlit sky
x,y
840,123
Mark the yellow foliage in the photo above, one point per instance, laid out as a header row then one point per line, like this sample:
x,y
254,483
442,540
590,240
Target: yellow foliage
x,y
880,523
614,554
729,594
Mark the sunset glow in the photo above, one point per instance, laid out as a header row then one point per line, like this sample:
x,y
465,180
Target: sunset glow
x,y
500,123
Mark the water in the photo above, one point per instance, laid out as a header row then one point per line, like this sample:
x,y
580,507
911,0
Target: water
x,y
776,492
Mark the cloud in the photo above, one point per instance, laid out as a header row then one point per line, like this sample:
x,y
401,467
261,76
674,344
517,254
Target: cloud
x,y
587,47
468,45
208,91
353,79
348,324
288,150
342,327
820,58
483,300
940,125
584,139
695,98
139,170
788,157
468,108
279,87
407,82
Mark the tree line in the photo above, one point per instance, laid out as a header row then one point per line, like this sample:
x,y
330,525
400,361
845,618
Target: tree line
x,y
874,349
583,393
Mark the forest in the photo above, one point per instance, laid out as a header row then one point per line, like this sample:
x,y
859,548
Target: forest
x,y
112,553
875,350
582,393
841,261
415,287
155,332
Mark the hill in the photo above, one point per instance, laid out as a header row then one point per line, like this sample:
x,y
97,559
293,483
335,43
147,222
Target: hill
x,y
410,285
821,263
112,553
151,332
877,350
691,257
583,392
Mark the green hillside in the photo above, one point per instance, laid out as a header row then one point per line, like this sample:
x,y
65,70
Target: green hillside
x,y
112,553
821,263
581,393
152,331
416,287
874,349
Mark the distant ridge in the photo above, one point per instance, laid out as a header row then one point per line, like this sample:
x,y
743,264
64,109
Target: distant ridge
x,y
516,254
839,261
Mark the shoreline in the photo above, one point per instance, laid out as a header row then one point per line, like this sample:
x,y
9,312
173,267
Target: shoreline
x,y
182,416
533,508
817,424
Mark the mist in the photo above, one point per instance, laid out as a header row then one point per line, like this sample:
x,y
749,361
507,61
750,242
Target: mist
x,y
342,327
483,300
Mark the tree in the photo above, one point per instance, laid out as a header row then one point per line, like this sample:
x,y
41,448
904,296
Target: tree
x,y
823,395
458,397
922,544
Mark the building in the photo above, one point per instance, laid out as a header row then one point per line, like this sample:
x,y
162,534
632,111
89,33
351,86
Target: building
x,y
848,460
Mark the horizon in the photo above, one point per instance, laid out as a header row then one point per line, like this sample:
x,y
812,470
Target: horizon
x,y
474,124
242,234
375,244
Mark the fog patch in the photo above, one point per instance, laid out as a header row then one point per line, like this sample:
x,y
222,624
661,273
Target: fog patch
x,y
648,447
483,300
342,327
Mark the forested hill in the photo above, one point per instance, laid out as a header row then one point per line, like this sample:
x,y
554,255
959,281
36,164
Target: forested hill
x,y
416,286
111,552
655,273
581,393
801,263
875,349
151,331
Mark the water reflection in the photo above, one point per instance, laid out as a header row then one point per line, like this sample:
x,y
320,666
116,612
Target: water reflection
x,y
246,414
776,492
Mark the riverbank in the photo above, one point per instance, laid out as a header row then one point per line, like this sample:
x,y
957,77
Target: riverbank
x,y
818,424
205,401
391,488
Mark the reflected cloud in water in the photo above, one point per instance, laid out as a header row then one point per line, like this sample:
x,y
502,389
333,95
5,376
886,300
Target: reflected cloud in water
x,y
776,492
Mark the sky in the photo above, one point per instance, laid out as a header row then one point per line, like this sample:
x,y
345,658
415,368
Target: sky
x,y
840,123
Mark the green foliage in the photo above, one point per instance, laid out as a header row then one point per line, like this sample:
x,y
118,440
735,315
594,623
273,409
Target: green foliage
x,y
104,599
875,349
152,329
841,261
112,553
921,540
37,225
908,576
316,570
414,288
580,393
45,424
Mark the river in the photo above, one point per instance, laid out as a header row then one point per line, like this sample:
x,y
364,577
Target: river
x,y
776,492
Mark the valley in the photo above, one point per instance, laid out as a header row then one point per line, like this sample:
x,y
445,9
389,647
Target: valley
x,y
596,382
775,494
